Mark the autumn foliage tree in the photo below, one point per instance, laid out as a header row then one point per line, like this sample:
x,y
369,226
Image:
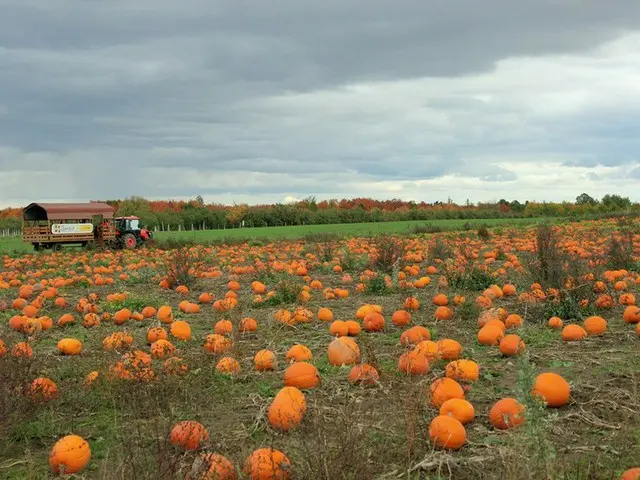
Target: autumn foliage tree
x,y
236,214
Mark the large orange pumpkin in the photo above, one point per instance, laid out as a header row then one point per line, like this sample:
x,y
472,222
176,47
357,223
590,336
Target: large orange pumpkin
x,y
287,409
70,454
447,432
302,375
414,362
631,314
181,330
458,408
70,346
511,345
463,370
373,322
595,325
444,389
552,388
298,353
573,333
343,351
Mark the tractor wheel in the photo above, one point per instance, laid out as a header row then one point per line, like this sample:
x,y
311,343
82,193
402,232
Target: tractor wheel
x,y
36,247
129,241
56,247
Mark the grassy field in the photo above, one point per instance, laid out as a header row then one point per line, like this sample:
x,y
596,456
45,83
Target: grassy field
x,y
15,244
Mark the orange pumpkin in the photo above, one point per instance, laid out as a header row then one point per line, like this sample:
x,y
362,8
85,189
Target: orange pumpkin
x,y
267,463
401,318
189,435
552,389
121,316
458,408
162,348
414,362
556,323
302,375
228,365
70,346
440,300
43,389
299,353
165,314
353,328
411,304
343,351
373,322
449,349
573,333
443,313
156,333
216,467
631,474
507,413
595,325
463,370
490,335
447,432
264,360
248,324
70,454
215,343
339,328
181,330
444,389
287,409
363,374
631,314
325,315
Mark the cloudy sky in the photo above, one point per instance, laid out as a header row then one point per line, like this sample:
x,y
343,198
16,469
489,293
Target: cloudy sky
x,y
260,101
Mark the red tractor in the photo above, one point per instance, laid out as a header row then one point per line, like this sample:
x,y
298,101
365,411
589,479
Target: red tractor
x,y
130,234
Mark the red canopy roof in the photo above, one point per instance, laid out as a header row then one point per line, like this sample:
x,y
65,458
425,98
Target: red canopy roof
x,y
67,211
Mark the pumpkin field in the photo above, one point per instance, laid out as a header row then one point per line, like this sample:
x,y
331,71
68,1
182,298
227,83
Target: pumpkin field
x,y
511,353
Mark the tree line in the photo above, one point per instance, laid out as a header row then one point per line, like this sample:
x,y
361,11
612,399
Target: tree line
x,y
197,215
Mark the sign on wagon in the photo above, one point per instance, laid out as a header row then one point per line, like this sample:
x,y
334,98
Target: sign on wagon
x,y
67,228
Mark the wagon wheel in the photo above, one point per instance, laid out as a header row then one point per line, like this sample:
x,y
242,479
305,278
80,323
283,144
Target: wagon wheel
x,y
129,241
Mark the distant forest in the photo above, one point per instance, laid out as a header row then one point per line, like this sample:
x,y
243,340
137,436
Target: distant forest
x,y
198,215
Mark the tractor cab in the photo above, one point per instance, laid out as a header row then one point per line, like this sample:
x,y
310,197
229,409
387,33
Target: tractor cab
x,y
130,233
128,224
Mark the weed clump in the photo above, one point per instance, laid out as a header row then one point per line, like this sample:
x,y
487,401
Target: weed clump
x,y
549,264
179,268
387,253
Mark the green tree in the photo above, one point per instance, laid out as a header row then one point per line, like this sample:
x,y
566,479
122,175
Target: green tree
x,y
585,199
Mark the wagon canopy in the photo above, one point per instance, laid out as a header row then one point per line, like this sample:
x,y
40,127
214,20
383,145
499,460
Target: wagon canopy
x,y
67,211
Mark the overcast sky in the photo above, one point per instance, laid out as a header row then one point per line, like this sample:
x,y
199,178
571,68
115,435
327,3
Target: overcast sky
x,y
262,101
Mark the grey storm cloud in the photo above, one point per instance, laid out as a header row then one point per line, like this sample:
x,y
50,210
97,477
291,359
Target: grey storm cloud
x,y
260,100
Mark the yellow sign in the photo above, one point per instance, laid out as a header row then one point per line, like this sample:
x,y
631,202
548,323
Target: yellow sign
x,y
71,228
